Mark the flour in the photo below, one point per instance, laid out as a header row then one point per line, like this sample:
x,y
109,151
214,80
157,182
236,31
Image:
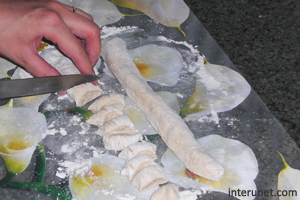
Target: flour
x,y
179,95
210,82
60,173
75,120
198,64
126,197
62,97
49,132
113,31
230,121
193,66
190,195
62,131
85,127
49,107
270,121
51,125
66,149
191,47
66,167
54,131
71,148
97,152
212,117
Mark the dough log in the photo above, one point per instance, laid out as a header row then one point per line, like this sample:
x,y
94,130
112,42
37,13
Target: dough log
x,y
167,123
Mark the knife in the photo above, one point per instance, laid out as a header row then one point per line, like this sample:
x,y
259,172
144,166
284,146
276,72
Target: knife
x,y
43,85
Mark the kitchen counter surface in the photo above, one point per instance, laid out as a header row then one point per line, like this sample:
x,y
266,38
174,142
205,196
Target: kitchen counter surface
x,y
261,38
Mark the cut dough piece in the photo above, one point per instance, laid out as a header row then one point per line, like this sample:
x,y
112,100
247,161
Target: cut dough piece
x,y
84,93
139,149
173,130
149,177
111,99
119,140
105,114
136,164
120,123
170,191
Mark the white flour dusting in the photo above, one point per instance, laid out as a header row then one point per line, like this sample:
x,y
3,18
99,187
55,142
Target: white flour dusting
x,y
62,97
66,167
191,47
193,66
49,107
75,120
61,173
55,131
210,82
63,131
212,117
71,148
112,31
126,197
179,95
230,121
85,127
50,130
66,149
96,151
189,195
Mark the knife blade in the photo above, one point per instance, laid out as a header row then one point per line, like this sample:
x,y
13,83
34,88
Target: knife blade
x,y
42,85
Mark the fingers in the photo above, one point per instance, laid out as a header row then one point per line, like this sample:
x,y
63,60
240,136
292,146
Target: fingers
x,y
85,30
66,41
88,31
81,26
78,11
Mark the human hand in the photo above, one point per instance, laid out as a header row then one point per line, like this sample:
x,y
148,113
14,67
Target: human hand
x,y
23,24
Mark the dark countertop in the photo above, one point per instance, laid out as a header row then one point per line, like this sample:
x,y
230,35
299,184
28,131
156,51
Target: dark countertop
x,y
262,40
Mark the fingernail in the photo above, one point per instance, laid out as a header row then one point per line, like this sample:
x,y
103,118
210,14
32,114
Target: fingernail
x,y
95,83
62,93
